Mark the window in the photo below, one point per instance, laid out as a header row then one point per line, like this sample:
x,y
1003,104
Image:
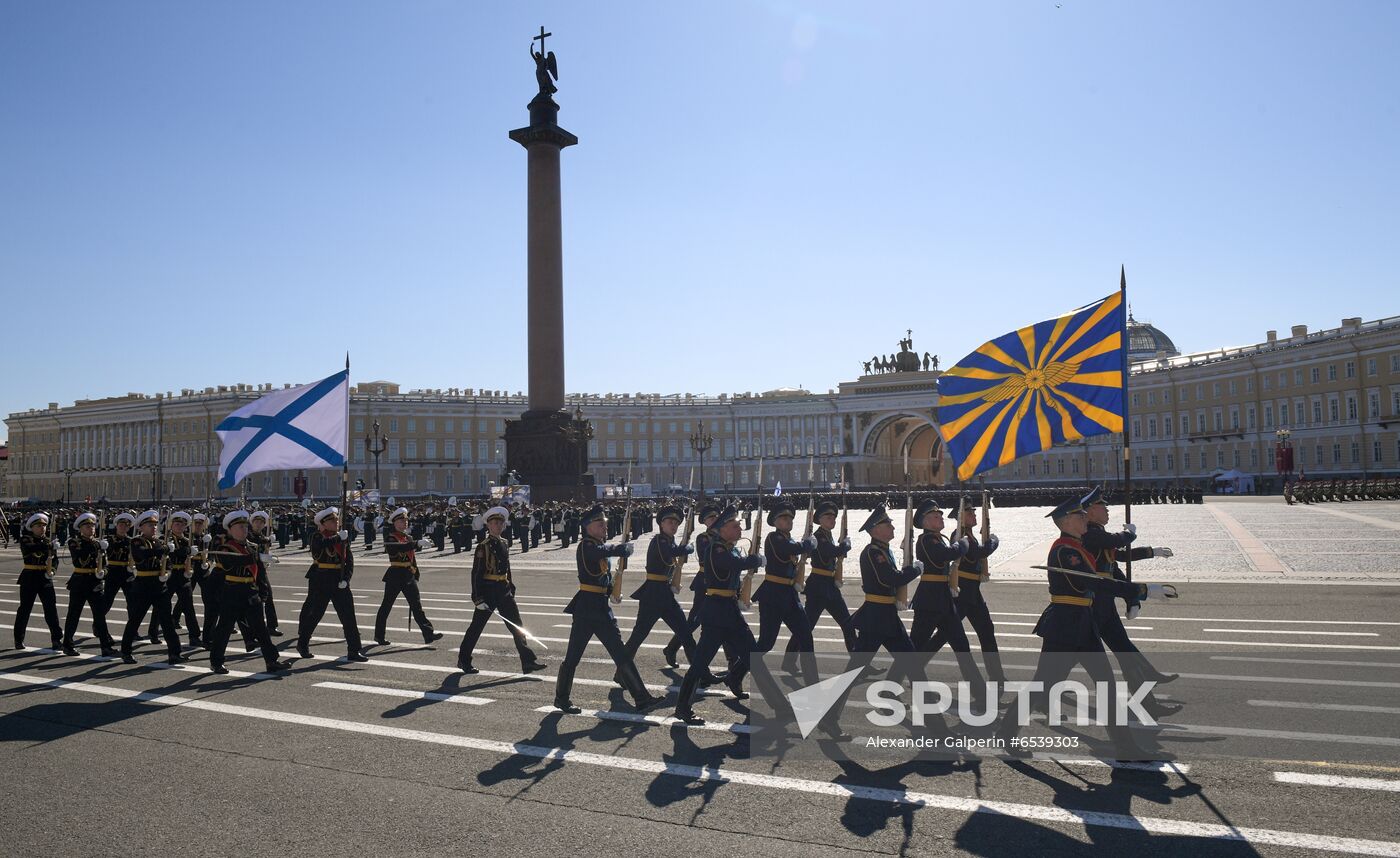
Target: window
x,y
359,424
1351,407
1395,403
1074,465
1185,424
483,450
1152,427
1151,397
447,426
1233,389
1298,377
430,450
1220,458
1376,452
1234,418
612,427
1215,390
1249,422
1154,461
1370,367
1137,429
1200,391
1331,372
393,424
1336,454
1135,400
413,424
1269,415
1395,367
1283,414
1184,395
1235,458
1268,382
673,427
1351,369
411,448
627,449
627,427
1060,466
449,449
1333,412
1355,453
656,450
1030,469
1321,458
481,426
1373,405
1317,411
448,484
1219,420
1313,375
393,450
1282,380
1203,460
1254,457
1171,462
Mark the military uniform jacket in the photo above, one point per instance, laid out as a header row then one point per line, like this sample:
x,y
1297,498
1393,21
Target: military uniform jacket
x,y
491,570
147,554
238,566
662,554
594,578
969,568
39,555
1109,548
198,558
403,559
119,555
880,577
702,551
1067,623
330,557
827,552
85,553
781,553
937,556
180,551
724,571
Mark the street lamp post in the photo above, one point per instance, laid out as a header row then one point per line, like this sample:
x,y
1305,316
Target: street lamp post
x,y
68,490
1284,454
1117,462
376,447
700,442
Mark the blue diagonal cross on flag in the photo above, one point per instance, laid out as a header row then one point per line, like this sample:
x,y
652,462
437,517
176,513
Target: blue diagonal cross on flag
x,y
299,427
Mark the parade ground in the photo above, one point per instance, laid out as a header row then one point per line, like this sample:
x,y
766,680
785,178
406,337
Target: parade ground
x,y
404,755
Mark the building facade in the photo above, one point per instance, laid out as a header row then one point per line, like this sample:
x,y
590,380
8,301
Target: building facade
x,y
1335,391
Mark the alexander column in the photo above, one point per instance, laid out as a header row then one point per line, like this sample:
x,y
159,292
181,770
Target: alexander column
x,y
547,446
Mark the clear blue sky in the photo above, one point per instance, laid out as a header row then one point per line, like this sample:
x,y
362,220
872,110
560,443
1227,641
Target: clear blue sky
x,y
766,193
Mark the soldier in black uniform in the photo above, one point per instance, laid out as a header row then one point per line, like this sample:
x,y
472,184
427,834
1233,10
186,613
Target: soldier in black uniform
x,y
721,622
877,621
200,540
520,525
698,585
960,573
119,575
150,557
655,598
1069,635
402,577
85,588
971,604
492,591
592,617
778,603
237,565
934,609
261,536
821,591
180,585
40,555
328,582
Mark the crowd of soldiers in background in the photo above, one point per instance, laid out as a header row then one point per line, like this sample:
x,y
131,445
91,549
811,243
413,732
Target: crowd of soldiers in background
x,y
1322,491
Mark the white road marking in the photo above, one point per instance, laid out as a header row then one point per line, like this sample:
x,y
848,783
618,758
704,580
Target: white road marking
x,y
654,720
1170,767
1307,662
1336,781
1330,707
1291,735
1292,632
959,804
407,693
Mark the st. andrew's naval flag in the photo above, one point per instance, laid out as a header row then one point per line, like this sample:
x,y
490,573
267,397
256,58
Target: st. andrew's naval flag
x,y
299,427
1031,389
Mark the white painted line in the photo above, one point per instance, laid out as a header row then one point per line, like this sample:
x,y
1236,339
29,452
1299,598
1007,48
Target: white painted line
x,y
1292,735
1292,632
1170,767
716,774
1303,663
407,693
1336,781
654,720
1330,707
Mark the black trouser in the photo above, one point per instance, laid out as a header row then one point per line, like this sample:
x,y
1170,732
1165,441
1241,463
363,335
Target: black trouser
x,y
1057,659
184,606
269,605
322,588
722,626
660,605
1136,668
148,593
589,624
118,580
240,605
786,610
823,595
731,654
504,602
401,581
33,582
86,589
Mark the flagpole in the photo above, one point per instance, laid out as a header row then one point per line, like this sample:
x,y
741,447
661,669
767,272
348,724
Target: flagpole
x,y
345,465
1127,422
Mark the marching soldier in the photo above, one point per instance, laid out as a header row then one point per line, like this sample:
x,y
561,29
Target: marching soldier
x,y
721,622
85,588
656,600
238,564
592,617
261,536
1068,633
402,577
708,515
971,603
150,557
40,555
778,604
119,575
181,586
200,540
934,609
821,590
328,581
877,621
494,591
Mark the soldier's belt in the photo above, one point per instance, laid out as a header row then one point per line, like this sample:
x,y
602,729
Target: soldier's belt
x,y
777,579
401,565
118,562
879,600
825,573
495,578
934,576
1078,601
34,567
651,577
969,576
152,574
335,566
238,579
715,591
1103,574
84,571
591,588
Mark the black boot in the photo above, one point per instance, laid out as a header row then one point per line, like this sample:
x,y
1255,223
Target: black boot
x,y
995,672
669,653
632,681
563,688
686,693
303,650
431,636
356,655
68,649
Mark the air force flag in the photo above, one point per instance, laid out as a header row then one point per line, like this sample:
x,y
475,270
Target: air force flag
x,y
300,427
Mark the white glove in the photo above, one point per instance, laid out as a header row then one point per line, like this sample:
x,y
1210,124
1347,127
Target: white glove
x,y
166,547
57,545
206,539
1130,528
267,559
627,549
1162,552
344,535
164,578
422,545
1156,590
919,566
102,543
762,561
961,545
343,584
1134,609
846,543
808,544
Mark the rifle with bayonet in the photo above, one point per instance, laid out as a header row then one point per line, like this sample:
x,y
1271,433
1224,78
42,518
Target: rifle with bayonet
x,y
755,544
616,595
799,577
685,535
